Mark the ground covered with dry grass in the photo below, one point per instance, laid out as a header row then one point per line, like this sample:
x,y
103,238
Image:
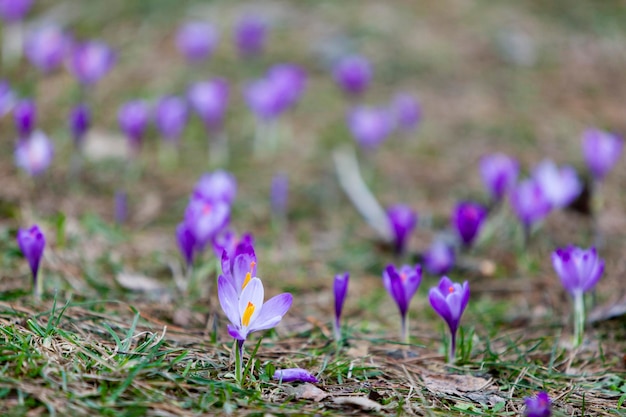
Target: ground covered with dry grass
x,y
113,336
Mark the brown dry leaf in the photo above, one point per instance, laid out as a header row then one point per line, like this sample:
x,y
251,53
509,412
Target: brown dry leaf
x,y
363,403
308,391
454,384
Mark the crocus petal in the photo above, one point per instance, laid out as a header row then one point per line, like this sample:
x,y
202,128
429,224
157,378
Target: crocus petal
x,y
236,333
444,284
398,294
226,265
253,294
340,289
412,283
439,304
272,312
294,374
228,300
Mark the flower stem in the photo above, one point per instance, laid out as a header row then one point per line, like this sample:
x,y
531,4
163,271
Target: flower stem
x,y
452,348
579,319
337,330
404,325
239,361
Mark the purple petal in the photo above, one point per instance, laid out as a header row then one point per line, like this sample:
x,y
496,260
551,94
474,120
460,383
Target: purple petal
x,y
294,374
272,312
340,289
440,305
252,294
228,300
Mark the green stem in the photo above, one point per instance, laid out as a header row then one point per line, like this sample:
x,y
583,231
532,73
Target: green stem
x,y
579,318
404,326
239,361
452,348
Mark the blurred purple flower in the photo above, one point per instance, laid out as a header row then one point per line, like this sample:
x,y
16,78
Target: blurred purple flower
x,y
249,35
34,154
294,375
205,219
579,269
32,243
449,300
171,117
601,151
279,194
369,126
79,122
529,203
133,117
353,74
467,220
196,40
218,185
90,61
340,289
402,219
209,100
538,406
186,243
401,284
46,47
560,186
406,111
7,98
240,266
120,208
439,258
289,81
263,99
14,10
228,241
25,117
499,174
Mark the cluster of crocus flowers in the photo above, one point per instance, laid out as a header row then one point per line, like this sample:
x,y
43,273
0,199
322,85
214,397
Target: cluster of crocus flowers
x,y
340,290
32,243
538,406
579,270
449,300
401,284
402,219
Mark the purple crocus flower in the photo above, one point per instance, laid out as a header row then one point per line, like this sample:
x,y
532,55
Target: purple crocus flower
x,y
120,206
353,74
206,219
228,241
263,99
439,258
279,194
538,406
32,243
499,173
249,35
406,111
369,126
529,203
25,117
401,285
402,219
218,185
209,100
14,10
449,300
171,117
601,151
579,271
197,40
340,289
79,123
240,266
7,98
467,219
294,375
90,61
186,243
289,81
133,117
560,186
46,47
34,154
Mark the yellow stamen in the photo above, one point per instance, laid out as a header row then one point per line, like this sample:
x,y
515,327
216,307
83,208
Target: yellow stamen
x,y
247,314
248,275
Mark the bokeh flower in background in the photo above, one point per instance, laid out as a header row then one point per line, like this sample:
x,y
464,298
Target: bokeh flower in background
x,y
209,99
601,151
294,375
402,219
353,74
25,117
561,186
170,117
79,123
14,10
227,245
467,220
120,206
249,35
529,203
34,154
133,117
46,47
196,40
7,98
290,82
401,284
186,243
499,174
32,243
340,290
449,299
90,61
369,126
279,196
406,111
218,185
538,406
205,219
439,258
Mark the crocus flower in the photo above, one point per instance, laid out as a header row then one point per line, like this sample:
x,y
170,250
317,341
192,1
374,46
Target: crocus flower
x,y
171,117
240,266
186,243
340,289
206,219
290,82
529,203
279,194
196,40
25,117
228,241
353,74
439,258
32,242
14,10
294,375
218,185
402,219
467,219
449,300
209,100
7,98
45,47
263,98
560,186
79,123
369,126
120,206
401,285
406,111
34,154
538,406
90,61
601,151
579,271
499,173
133,117
249,35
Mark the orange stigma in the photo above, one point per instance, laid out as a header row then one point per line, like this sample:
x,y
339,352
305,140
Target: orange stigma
x,y
206,209
248,275
403,277
451,289
247,314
